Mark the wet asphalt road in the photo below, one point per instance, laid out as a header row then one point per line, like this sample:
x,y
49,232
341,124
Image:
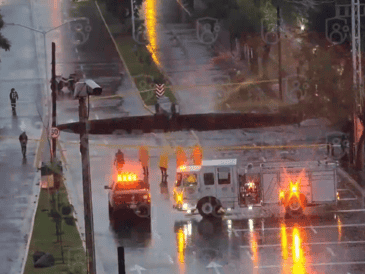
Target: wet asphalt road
x,y
176,243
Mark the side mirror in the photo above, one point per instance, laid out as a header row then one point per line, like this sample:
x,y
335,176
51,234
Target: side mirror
x,y
107,187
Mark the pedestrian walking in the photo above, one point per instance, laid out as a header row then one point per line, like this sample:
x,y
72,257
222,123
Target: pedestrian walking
x,y
23,139
143,158
13,97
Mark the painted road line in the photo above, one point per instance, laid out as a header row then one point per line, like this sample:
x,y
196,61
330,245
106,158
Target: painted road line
x,y
195,136
315,264
235,232
330,251
249,254
105,142
306,227
316,243
349,210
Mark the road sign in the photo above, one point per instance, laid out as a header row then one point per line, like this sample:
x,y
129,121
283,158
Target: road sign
x,y
160,90
55,132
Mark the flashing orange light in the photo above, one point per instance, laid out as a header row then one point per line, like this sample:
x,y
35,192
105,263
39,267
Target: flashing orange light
x,y
182,168
281,195
179,198
294,188
125,177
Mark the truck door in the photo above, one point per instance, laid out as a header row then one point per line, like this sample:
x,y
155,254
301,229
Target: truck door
x,y
270,185
225,188
207,185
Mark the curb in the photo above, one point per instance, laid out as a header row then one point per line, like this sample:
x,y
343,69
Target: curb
x,y
37,177
343,173
122,59
99,267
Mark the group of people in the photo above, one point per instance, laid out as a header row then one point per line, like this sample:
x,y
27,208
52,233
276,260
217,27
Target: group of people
x,y
163,163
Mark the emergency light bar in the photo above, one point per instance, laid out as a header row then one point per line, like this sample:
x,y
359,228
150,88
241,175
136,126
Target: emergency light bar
x,y
127,177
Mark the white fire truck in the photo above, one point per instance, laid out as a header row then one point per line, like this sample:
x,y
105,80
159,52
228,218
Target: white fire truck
x,y
264,189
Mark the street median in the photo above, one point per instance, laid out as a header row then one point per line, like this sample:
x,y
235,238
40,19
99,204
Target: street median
x,y
55,245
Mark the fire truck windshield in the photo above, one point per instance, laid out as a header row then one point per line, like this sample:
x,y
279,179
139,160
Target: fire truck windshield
x,y
186,179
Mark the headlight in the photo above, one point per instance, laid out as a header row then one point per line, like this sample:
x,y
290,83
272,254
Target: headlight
x,y
185,206
145,196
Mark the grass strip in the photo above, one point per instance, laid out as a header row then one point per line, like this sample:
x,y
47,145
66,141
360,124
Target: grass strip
x,y
44,238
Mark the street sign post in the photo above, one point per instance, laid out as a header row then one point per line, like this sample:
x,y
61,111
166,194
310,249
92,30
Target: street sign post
x,y
55,132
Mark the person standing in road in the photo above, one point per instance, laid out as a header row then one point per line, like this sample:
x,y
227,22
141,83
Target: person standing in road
x,y
143,158
180,157
13,97
197,155
164,159
23,139
119,160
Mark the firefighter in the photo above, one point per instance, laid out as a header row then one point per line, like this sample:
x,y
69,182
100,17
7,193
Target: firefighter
x,y
180,157
164,159
143,158
23,139
197,155
119,160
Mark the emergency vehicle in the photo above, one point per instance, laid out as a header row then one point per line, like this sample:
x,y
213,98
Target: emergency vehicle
x,y
263,189
129,190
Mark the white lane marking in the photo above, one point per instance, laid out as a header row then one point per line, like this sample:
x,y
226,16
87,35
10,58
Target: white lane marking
x,y
78,57
317,227
105,142
235,232
249,254
195,136
316,264
315,231
316,243
350,210
97,117
330,251
76,50
170,258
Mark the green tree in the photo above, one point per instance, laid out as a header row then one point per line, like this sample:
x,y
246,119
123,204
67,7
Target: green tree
x,y
4,43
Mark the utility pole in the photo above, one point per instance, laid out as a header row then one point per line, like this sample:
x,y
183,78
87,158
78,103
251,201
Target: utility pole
x,y
279,53
88,207
53,87
357,76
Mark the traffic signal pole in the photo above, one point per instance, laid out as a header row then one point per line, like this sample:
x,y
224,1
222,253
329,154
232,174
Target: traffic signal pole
x,y
88,208
54,97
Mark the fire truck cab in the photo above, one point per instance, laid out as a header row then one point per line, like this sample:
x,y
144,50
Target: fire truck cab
x,y
207,188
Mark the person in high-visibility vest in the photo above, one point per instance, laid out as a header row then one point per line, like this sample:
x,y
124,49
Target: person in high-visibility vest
x,y
197,155
164,163
144,157
180,157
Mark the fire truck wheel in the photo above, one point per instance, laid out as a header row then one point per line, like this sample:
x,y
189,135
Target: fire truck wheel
x,y
208,207
142,210
294,209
